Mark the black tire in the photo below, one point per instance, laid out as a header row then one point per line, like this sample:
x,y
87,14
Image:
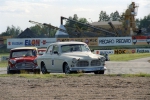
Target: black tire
x,y
67,69
10,71
99,72
44,70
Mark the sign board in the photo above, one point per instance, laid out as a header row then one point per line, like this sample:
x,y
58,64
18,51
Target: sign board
x,y
114,41
27,42
101,52
141,40
143,50
124,51
88,41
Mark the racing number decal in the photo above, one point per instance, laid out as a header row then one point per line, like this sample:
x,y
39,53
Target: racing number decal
x,y
52,62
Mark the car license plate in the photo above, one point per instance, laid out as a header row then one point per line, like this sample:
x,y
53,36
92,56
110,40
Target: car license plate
x,y
23,65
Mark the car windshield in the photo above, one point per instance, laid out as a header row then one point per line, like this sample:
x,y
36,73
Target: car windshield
x,y
74,48
20,53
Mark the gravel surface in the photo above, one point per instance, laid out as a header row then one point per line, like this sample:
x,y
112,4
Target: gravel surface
x,y
86,87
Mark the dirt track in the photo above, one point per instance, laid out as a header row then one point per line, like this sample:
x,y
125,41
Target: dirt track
x,y
86,87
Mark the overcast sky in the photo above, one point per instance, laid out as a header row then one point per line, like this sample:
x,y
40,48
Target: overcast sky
x,y
19,12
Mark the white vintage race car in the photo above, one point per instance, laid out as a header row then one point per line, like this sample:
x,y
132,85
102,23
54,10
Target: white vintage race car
x,y
70,57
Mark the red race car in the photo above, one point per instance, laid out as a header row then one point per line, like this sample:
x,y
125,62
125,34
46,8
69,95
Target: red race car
x,y
23,59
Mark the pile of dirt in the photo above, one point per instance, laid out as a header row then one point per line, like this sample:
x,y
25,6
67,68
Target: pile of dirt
x,y
86,87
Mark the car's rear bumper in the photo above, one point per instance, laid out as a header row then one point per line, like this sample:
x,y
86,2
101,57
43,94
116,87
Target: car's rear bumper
x,y
88,69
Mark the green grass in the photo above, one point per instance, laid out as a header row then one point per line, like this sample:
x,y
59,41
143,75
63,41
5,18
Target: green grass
x,y
3,64
130,75
46,76
4,54
42,76
127,57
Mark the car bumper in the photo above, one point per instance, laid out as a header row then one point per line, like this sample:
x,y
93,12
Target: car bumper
x,y
88,69
29,69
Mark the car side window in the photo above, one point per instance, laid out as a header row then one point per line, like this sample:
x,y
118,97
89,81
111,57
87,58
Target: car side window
x,y
49,49
55,48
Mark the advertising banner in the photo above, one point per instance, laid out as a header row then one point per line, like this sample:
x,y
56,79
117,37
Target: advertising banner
x,y
141,40
28,42
143,50
88,41
101,52
114,41
124,51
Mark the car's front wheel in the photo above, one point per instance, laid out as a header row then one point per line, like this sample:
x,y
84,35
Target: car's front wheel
x,y
44,70
67,69
9,71
99,72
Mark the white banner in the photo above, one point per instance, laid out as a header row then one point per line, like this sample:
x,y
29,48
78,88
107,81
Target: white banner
x,y
114,41
101,52
26,42
143,50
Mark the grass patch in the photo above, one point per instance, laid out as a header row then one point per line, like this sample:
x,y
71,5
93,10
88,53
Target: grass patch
x,y
45,76
4,54
3,63
127,57
5,75
130,75
42,76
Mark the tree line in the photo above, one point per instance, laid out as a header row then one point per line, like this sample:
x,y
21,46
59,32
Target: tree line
x,y
50,32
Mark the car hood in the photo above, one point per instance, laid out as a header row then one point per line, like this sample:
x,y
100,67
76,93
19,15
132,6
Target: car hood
x,y
26,59
85,55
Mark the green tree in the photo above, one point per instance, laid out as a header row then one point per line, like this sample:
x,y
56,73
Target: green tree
x,y
103,16
137,22
145,23
84,21
42,30
70,24
11,31
75,17
115,16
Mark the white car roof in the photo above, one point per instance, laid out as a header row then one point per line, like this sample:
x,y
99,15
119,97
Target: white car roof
x,y
19,48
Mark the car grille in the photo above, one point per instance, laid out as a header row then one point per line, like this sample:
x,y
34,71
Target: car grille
x,y
25,65
95,63
82,64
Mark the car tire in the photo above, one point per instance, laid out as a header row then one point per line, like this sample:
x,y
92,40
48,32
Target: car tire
x,y
44,70
9,71
99,72
67,69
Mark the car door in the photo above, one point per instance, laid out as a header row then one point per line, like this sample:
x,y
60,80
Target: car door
x,y
56,59
48,58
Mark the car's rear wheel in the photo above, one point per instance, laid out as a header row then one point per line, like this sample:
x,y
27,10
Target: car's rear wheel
x,y
44,70
67,69
99,72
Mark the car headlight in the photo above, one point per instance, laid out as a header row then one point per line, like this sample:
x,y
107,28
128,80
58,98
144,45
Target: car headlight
x,y
74,60
13,61
102,59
